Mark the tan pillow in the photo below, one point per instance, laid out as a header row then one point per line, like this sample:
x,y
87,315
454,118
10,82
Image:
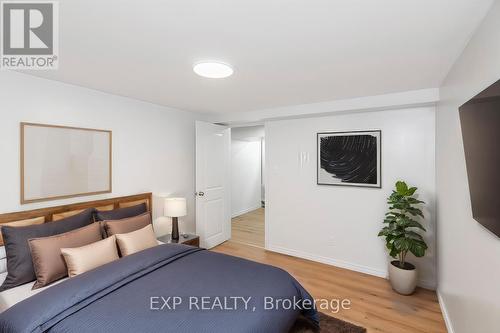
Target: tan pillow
x,y
136,241
21,223
82,259
126,225
48,262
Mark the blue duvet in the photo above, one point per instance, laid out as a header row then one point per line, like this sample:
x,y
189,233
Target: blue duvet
x,y
168,288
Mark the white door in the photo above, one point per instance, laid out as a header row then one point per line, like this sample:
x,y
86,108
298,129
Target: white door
x,y
213,176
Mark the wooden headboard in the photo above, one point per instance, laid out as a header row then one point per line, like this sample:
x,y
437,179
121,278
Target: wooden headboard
x,y
50,212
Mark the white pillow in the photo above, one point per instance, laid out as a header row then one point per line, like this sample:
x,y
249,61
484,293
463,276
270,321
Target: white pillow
x,y
3,260
3,266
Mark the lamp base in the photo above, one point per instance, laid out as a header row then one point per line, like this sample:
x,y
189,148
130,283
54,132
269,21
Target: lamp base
x,y
175,228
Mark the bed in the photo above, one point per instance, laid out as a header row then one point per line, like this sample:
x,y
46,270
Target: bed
x,y
10,297
165,288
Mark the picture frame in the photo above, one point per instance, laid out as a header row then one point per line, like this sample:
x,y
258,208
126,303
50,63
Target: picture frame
x,y
350,158
59,162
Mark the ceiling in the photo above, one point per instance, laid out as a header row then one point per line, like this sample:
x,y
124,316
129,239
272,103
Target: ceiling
x,y
284,52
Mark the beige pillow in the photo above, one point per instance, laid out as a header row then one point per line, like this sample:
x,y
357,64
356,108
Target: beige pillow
x,y
136,241
48,262
127,225
82,259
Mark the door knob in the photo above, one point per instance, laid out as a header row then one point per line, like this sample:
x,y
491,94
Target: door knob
x,y
200,194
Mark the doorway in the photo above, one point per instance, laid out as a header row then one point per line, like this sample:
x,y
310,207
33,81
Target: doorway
x,y
247,185
212,192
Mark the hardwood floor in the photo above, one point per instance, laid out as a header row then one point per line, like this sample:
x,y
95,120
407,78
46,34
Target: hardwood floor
x,y
373,303
249,228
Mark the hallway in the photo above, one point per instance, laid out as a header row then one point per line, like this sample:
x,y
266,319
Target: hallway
x,y
249,228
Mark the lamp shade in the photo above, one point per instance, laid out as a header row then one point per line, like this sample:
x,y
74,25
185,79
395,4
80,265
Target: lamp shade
x,y
175,207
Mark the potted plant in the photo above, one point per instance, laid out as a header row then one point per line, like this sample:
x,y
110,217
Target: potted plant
x,y
401,236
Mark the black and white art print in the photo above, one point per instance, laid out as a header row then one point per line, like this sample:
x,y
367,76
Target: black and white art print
x,y
350,158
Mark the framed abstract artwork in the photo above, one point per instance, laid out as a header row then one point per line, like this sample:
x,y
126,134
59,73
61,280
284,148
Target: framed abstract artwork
x,y
62,162
349,158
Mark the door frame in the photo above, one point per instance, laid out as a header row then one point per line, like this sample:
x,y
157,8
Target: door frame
x,y
228,184
264,174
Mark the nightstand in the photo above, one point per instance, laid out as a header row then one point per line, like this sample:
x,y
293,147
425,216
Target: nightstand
x,y
192,240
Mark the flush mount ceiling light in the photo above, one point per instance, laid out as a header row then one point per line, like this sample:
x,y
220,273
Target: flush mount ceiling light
x,y
213,70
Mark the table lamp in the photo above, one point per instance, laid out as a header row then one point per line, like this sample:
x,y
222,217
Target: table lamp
x,y
175,208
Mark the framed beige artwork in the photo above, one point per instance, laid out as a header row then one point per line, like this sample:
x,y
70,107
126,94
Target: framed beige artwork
x,y
60,162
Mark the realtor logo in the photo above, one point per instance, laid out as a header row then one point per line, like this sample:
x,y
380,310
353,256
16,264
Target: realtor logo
x,y
29,35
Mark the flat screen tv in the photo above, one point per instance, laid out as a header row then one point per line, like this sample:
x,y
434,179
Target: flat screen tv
x,y
480,121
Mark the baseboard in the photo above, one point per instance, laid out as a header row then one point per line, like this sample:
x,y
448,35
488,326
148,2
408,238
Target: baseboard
x,y
444,311
328,261
248,210
431,285
342,264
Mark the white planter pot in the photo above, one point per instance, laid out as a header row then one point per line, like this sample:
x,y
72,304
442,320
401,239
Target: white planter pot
x,y
402,280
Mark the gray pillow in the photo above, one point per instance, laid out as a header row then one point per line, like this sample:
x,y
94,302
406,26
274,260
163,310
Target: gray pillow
x,y
121,213
19,263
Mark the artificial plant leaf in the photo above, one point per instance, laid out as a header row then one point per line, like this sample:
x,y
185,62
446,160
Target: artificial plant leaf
x,y
394,252
418,248
402,244
413,234
415,211
401,187
414,201
383,233
403,221
411,191
414,224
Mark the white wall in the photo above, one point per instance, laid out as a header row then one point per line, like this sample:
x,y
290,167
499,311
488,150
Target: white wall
x,y
413,98
339,225
248,133
245,176
263,169
469,255
153,146
246,169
